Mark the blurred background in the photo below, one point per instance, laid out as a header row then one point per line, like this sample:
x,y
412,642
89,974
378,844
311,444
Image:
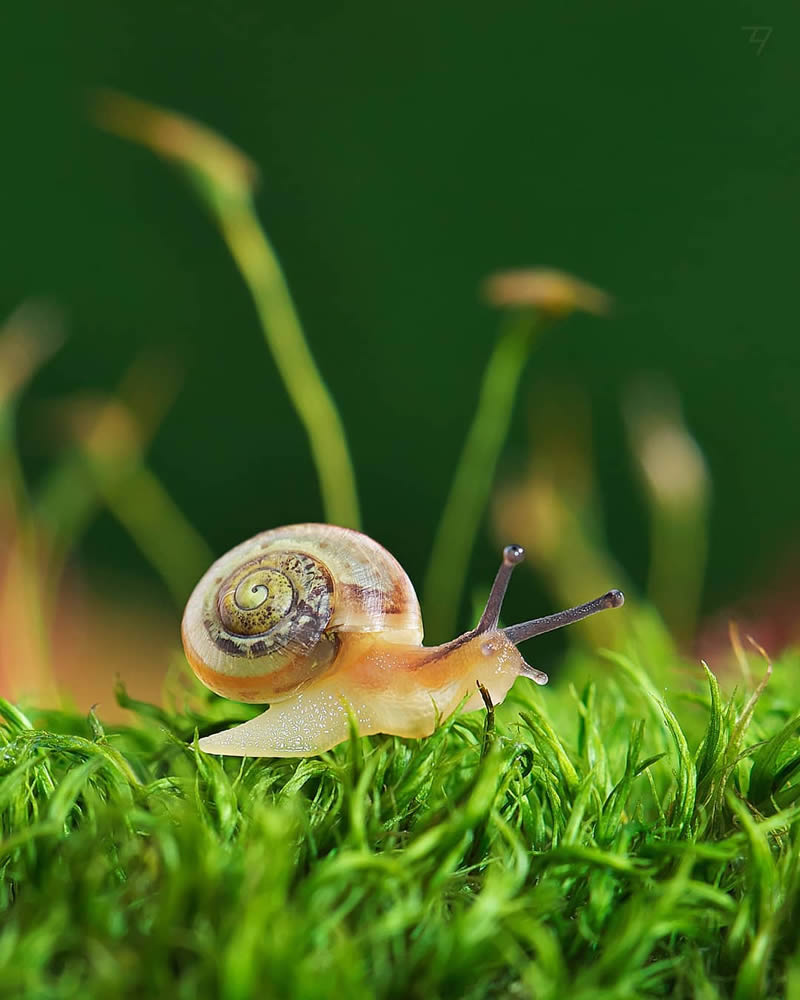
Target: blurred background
x,y
404,155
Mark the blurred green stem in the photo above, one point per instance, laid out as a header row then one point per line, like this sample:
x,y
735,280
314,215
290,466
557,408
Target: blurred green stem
x,y
32,327
224,177
283,333
107,465
466,502
159,528
677,486
678,548
27,577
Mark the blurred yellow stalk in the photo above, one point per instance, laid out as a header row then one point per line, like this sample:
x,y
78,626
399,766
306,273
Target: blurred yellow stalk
x,y
27,340
106,438
224,178
553,511
534,296
110,445
677,487
46,628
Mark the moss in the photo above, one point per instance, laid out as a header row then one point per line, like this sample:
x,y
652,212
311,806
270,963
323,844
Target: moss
x,y
585,842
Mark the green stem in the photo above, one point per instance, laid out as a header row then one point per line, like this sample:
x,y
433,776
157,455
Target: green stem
x,y
140,503
678,547
455,535
262,273
223,177
40,679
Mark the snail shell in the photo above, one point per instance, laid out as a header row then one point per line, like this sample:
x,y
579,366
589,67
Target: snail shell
x,y
268,616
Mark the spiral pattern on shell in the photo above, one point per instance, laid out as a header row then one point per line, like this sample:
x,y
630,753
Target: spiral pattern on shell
x,y
266,617
278,600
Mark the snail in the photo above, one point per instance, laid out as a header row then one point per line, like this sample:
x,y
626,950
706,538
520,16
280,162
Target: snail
x,y
323,624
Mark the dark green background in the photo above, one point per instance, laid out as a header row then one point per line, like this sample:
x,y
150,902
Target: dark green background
x,y
407,150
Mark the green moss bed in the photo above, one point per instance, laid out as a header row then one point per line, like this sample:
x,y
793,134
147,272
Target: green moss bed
x,y
633,832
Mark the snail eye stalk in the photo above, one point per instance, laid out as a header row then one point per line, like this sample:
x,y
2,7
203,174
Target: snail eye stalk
x,y
512,556
527,630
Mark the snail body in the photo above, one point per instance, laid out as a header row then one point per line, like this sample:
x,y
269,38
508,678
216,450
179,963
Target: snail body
x,y
323,624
